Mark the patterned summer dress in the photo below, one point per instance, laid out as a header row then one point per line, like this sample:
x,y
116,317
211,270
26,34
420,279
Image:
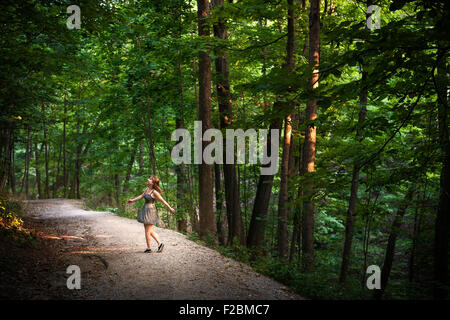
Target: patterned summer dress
x,y
149,213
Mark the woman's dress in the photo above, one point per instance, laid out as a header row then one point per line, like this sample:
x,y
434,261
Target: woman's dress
x,y
149,213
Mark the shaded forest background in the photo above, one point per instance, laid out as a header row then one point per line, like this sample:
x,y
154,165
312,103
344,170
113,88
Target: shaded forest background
x,y
364,168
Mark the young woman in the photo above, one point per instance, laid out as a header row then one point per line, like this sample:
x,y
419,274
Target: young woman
x,y
149,214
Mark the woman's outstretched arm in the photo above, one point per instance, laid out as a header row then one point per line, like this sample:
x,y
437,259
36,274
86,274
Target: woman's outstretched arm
x,y
135,199
156,193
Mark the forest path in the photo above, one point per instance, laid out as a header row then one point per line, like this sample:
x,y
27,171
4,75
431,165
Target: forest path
x,y
109,251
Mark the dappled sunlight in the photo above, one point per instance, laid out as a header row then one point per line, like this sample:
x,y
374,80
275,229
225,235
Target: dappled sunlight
x,y
101,236
92,250
63,237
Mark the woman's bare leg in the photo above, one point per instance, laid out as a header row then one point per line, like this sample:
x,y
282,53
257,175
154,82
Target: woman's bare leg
x,y
154,234
148,230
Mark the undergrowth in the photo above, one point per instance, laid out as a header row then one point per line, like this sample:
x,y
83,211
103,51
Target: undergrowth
x,y
11,223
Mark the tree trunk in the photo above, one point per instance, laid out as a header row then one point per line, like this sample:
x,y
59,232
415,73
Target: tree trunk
x,y
442,223
206,210
47,187
6,158
309,146
38,172
415,236
55,185
350,220
28,158
151,145
255,238
141,158
76,176
298,209
282,234
148,125
181,192
390,249
219,203
12,174
193,207
64,151
27,164
117,187
292,172
182,222
129,170
234,214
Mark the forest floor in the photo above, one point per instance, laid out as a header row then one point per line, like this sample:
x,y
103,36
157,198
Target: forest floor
x,y
110,253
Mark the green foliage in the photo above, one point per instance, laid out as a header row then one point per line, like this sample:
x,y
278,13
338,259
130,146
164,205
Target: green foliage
x,y
11,224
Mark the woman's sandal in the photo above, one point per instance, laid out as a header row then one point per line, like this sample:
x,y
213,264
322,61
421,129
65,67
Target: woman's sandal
x,y
148,250
160,247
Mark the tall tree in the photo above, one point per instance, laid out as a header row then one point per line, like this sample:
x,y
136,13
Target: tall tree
x,y
442,223
6,154
38,171
390,248
353,199
282,233
256,231
46,155
206,212
309,146
180,169
233,203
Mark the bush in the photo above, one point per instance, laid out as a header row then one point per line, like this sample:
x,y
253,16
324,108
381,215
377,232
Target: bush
x,y
11,224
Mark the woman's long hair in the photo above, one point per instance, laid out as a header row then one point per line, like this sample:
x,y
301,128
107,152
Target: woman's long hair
x,y
156,184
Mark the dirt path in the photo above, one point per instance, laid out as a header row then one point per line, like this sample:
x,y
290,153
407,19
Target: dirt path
x,y
109,251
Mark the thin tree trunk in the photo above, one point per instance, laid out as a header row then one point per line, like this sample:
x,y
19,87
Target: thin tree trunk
x,y
293,171
181,197
76,177
416,227
148,125
192,206
309,147
390,249
234,214
151,145
442,223
129,170
297,230
115,175
55,185
141,158
180,169
219,203
282,234
38,172
64,151
47,187
12,175
206,210
27,165
29,153
7,158
350,220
